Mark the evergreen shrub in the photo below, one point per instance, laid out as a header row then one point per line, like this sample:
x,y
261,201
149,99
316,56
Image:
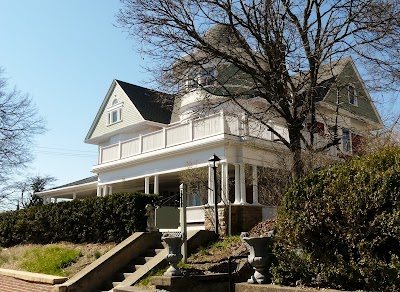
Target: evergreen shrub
x,y
340,227
98,219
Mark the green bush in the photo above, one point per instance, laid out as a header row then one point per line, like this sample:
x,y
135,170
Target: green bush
x,y
340,227
108,219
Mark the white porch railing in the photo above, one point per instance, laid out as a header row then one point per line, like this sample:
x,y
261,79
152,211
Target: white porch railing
x,y
185,132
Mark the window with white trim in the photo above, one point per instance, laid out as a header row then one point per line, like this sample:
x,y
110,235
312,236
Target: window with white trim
x,y
351,91
114,112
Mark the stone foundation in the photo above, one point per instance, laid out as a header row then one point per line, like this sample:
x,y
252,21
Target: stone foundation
x,y
244,217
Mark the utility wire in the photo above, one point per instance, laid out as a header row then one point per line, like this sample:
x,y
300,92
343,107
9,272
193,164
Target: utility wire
x,y
65,152
63,149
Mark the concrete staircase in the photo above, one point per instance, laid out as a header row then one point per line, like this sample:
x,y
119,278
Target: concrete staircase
x,y
137,268
127,263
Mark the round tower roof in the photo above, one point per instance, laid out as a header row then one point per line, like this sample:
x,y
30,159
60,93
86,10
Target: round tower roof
x,y
221,35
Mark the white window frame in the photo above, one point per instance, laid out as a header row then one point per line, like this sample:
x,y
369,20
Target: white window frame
x,y
114,111
355,100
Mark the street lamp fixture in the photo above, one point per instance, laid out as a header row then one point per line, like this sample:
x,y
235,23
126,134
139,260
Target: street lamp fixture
x,y
214,159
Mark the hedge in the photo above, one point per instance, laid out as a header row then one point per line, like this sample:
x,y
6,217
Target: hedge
x,y
340,227
108,219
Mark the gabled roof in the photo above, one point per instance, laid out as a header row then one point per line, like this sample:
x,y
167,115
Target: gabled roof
x,y
143,99
344,72
146,101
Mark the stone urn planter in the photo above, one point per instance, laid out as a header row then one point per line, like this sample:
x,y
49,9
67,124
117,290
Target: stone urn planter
x,y
259,257
174,254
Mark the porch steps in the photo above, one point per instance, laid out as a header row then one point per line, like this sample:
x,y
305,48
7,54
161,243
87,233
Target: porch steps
x,y
137,268
151,260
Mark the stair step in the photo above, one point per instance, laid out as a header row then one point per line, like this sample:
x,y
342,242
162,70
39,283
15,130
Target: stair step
x,y
140,261
115,284
119,276
128,271
126,275
151,252
107,287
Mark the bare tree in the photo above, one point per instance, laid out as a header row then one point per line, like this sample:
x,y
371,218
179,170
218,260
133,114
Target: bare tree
x,y
277,49
19,123
27,189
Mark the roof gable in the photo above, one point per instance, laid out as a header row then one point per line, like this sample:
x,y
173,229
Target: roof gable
x,y
138,105
338,92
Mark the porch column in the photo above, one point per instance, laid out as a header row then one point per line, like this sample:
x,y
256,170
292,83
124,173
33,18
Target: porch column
x,y
147,185
99,191
110,190
74,194
255,185
156,184
237,183
105,191
242,184
210,186
224,183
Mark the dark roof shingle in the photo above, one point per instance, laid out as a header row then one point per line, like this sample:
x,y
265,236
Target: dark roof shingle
x,y
78,182
146,102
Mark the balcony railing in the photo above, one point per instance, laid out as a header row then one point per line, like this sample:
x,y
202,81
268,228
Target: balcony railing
x,y
186,132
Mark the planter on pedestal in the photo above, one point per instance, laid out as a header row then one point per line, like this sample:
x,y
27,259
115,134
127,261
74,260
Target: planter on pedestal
x,y
259,257
174,255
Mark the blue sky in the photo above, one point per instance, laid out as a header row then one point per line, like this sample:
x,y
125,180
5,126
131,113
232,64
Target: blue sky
x,y
65,54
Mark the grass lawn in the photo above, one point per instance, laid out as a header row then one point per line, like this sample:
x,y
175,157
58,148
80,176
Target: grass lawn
x,y
61,259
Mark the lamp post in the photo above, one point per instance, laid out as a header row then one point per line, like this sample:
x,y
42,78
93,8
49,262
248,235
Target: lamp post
x,y
214,159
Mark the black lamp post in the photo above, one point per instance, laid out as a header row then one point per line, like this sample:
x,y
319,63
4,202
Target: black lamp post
x,y
214,159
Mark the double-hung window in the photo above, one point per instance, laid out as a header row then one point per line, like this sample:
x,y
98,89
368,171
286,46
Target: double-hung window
x,y
352,95
114,112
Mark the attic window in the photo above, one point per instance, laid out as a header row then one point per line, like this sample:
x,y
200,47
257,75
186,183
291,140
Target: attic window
x,y
114,112
352,95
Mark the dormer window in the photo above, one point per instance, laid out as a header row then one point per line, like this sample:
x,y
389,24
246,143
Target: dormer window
x,y
352,95
114,112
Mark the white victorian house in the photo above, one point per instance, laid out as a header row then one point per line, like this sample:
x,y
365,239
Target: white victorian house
x,y
144,147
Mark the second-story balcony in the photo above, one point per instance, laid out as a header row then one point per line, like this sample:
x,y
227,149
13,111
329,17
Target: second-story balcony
x,y
186,132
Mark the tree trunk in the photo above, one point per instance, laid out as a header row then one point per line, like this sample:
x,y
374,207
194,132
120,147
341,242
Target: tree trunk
x,y
295,150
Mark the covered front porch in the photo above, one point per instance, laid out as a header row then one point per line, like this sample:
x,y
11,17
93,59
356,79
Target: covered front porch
x,y
161,173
